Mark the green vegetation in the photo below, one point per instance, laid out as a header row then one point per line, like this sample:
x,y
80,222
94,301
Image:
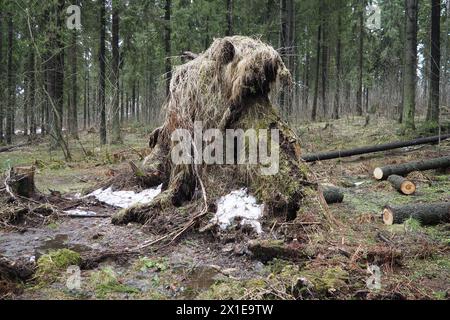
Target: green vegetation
x,y
51,266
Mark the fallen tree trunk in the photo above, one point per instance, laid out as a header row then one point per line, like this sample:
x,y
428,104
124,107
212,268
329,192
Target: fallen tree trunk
x,y
371,149
427,214
402,185
9,148
406,168
332,194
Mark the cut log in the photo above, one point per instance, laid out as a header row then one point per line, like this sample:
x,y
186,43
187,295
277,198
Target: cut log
x,y
402,185
406,168
332,194
21,181
371,149
427,214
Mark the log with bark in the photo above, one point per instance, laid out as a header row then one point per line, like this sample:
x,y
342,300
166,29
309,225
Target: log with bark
x,y
406,168
402,185
224,91
427,214
371,149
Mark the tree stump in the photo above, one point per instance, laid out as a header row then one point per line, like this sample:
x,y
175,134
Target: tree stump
x,y
21,181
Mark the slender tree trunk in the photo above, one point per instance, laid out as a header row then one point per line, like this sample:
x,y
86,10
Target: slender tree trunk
x,y
127,100
359,92
306,80
337,96
410,64
32,94
116,137
316,84
2,80
85,102
122,106
102,61
167,45
133,100
73,109
138,102
11,83
229,18
88,98
433,106
445,78
324,44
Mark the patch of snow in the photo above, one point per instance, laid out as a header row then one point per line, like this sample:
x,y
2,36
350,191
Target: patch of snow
x,y
125,199
238,204
79,212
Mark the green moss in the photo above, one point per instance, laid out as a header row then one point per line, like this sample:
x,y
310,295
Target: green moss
x,y
51,265
323,280
231,289
105,283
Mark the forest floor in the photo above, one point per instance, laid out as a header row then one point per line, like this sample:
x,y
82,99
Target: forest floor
x,y
414,261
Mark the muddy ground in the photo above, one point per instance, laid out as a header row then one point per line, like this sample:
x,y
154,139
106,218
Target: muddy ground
x,y
414,261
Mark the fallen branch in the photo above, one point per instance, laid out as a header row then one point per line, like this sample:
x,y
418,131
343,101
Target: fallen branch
x,y
406,168
402,185
371,149
427,214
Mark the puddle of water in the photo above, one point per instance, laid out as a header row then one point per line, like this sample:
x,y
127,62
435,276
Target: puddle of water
x,y
60,242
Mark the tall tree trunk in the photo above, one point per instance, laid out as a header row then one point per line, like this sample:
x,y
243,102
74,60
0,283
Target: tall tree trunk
x,y
2,83
88,98
32,89
337,96
133,100
324,44
11,83
167,44
316,79
73,109
445,78
85,103
116,137
359,91
410,65
287,49
229,18
102,61
433,104
122,106
57,82
138,102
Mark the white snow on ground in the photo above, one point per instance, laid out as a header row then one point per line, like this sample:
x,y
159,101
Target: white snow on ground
x,y
125,199
238,204
79,212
